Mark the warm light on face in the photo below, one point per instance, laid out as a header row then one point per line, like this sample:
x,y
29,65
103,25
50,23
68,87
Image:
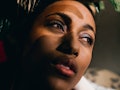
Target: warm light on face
x,y
62,41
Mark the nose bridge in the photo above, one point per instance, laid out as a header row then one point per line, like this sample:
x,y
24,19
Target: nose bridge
x,y
69,44
74,43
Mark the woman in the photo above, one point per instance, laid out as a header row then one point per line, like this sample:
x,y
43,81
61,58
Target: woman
x,y
55,47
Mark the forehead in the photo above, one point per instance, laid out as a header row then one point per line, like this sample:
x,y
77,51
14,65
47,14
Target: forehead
x,y
71,6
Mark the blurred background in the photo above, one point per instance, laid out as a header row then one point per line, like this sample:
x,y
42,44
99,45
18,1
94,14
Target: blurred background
x,y
107,47
105,67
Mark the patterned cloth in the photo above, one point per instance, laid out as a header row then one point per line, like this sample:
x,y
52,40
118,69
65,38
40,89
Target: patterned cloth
x,y
103,78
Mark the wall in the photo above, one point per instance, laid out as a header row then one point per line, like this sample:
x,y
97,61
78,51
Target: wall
x,y
107,47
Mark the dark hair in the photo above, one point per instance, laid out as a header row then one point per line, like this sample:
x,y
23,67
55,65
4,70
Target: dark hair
x,y
28,16
23,15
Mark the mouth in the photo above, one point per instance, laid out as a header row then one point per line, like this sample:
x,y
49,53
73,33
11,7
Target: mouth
x,y
65,67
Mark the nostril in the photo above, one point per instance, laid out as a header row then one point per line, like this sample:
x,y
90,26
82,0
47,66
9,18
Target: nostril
x,y
75,53
65,48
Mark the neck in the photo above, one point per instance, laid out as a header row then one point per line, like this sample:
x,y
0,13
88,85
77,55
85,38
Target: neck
x,y
27,82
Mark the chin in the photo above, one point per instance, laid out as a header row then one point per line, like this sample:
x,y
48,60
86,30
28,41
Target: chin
x,y
57,83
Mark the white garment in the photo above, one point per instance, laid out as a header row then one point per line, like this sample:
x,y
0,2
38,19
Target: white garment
x,y
84,84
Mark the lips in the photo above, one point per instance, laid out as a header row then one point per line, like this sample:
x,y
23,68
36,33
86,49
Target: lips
x,y
65,66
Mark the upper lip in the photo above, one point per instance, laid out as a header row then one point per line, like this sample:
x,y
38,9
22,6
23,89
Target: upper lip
x,y
66,61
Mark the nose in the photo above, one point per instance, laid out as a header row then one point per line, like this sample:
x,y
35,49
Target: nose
x,y
69,45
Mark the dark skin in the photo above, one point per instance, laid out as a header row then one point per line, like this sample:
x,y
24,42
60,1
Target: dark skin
x,y
59,48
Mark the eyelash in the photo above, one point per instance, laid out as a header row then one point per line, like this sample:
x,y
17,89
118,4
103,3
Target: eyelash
x,y
87,39
56,24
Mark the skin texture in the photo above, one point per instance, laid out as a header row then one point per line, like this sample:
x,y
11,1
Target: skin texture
x,y
59,47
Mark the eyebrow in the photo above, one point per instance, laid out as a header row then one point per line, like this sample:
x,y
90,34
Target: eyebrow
x,y
68,20
89,27
65,17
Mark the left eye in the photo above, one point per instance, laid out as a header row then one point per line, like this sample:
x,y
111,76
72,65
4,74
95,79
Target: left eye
x,y
87,39
57,25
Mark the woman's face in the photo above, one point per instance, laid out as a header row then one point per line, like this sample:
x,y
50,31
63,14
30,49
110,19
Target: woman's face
x,y
60,45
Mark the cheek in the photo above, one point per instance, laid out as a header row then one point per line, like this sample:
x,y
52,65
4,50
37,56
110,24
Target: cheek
x,y
37,52
84,60
44,37
45,44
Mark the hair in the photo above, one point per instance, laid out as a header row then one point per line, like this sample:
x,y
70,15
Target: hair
x,y
43,4
31,14
27,11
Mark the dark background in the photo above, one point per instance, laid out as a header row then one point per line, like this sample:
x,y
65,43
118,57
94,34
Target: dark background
x,y
107,47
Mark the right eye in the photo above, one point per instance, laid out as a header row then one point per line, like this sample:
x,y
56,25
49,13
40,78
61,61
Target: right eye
x,y
86,39
55,24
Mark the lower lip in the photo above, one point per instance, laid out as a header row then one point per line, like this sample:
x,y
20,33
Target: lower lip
x,y
64,71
